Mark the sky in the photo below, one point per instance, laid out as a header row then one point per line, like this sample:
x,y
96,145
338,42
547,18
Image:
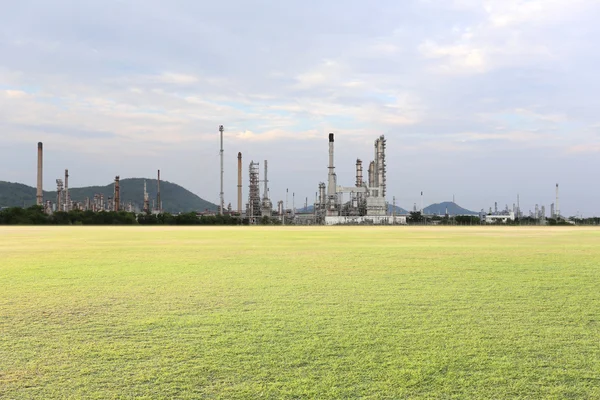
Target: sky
x,y
481,100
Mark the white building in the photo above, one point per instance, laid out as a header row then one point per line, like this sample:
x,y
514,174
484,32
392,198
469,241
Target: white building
x,y
492,219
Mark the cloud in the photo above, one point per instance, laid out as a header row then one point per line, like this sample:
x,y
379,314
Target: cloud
x,y
15,94
181,79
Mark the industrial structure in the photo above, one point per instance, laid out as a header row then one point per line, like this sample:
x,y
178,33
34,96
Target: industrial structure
x,y
361,202
117,197
67,206
40,175
222,195
239,186
159,207
253,206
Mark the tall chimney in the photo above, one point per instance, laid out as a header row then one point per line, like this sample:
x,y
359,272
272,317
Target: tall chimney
x,y
40,172
331,189
117,201
67,202
146,199
557,206
266,190
239,205
222,195
158,202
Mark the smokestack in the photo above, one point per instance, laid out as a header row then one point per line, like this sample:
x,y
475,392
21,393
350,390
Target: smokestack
x,y
266,190
222,202
146,199
158,202
40,172
359,173
240,182
117,200
67,203
557,206
331,181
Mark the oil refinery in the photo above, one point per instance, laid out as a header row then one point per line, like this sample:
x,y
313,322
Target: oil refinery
x,y
336,202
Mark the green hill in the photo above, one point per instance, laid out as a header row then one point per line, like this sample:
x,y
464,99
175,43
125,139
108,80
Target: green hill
x,y
16,195
174,197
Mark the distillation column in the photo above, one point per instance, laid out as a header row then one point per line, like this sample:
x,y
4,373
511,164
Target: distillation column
x,y
267,207
359,172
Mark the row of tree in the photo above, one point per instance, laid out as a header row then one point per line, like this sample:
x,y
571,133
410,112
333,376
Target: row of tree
x,y
35,216
416,218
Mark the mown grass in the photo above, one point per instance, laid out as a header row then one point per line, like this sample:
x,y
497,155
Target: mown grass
x,y
374,313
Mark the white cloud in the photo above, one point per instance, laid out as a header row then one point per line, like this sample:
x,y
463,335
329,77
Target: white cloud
x,y
15,94
179,79
459,57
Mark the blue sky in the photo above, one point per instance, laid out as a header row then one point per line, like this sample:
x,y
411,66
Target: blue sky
x,y
478,99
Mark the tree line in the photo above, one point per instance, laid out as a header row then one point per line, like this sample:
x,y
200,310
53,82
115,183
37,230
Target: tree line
x,y
416,218
35,215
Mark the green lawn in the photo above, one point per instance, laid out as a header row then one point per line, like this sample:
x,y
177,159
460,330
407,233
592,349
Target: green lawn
x,y
286,313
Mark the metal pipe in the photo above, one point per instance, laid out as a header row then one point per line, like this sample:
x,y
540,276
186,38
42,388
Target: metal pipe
x,y
40,172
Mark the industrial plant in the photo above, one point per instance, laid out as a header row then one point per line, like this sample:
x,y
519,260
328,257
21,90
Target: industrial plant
x,y
336,202
507,214
363,203
98,203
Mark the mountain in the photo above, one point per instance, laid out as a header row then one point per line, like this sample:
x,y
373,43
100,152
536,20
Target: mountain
x,y
174,197
399,210
16,195
453,209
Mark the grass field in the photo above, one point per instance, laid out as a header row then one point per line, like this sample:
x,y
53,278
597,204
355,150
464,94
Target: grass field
x,y
284,313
